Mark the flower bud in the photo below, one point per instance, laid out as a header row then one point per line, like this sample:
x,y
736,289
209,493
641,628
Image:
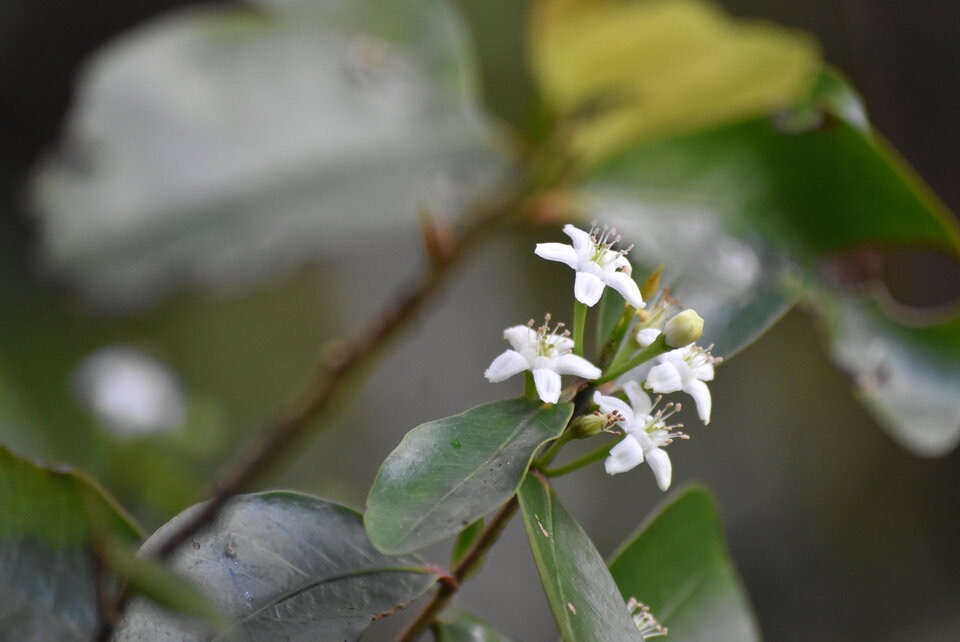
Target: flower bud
x,y
590,425
683,329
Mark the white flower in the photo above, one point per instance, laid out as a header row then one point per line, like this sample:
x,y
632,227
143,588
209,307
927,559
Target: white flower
x,y
685,369
544,352
597,265
646,430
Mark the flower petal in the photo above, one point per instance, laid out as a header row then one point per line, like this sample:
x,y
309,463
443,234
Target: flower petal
x,y
659,462
609,404
639,400
581,240
557,252
701,395
647,336
587,288
627,287
548,384
521,337
505,366
624,456
573,365
664,377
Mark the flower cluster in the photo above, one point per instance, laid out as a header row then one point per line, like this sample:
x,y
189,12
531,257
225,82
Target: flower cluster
x,y
544,352
663,332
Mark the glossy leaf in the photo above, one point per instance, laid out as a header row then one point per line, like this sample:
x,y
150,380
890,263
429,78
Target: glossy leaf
x,y
622,73
465,541
678,566
448,473
583,597
221,146
282,565
786,193
461,626
51,521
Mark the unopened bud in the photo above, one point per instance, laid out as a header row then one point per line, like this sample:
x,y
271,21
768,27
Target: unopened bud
x,y
683,329
590,425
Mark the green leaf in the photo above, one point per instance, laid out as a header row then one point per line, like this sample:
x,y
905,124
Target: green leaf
x,y
461,626
155,581
448,473
908,377
282,565
51,520
621,72
678,566
465,541
796,192
583,597
306,126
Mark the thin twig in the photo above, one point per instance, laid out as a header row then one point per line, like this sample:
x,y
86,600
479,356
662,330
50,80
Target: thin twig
x,y
474,556
277,437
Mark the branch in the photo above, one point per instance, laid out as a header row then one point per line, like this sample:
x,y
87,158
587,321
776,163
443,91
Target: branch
x,y
337,368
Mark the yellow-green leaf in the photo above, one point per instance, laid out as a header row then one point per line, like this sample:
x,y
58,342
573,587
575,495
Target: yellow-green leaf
x,y
620,72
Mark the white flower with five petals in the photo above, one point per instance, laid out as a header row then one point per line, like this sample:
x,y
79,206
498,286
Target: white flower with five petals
x,y
646,434
547,354
685,369
596,263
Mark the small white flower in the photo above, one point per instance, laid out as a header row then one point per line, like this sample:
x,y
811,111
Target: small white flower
x,y
685,369
596,263
646,430
546,353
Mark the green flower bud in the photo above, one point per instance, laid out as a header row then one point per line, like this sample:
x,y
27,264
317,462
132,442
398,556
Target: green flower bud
x,y
590,425
683,329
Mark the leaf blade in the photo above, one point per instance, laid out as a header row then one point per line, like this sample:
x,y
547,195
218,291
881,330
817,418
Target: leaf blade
x,y
448,473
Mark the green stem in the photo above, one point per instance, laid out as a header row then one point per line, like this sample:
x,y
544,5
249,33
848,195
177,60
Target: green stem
x,y
579,322
611,348
600,453
655,349
553,450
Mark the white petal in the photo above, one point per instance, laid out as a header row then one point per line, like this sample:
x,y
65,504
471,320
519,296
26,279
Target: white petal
x,y
639,400
609,404
647,336
505,366
573,365
557,252
581,240
588,288
627,287
562,345
663,378
548,384
703,373
624,456
659,462
701,394
520,337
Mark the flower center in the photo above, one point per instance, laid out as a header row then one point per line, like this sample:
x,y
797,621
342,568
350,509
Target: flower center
x,y
547,338
656,427
603,241
696,357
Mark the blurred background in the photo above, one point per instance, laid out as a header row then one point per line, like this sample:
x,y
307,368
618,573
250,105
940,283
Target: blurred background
x,y
166,282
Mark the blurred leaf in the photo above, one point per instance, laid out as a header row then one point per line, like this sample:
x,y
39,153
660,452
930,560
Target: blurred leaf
x,y
461,626
158,583
678,566
499,32
450,472
49,522
282,564
765,196
908,377
583,597
221,146
623,72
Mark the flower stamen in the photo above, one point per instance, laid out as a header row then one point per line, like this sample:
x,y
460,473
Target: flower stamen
x,y
645,620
